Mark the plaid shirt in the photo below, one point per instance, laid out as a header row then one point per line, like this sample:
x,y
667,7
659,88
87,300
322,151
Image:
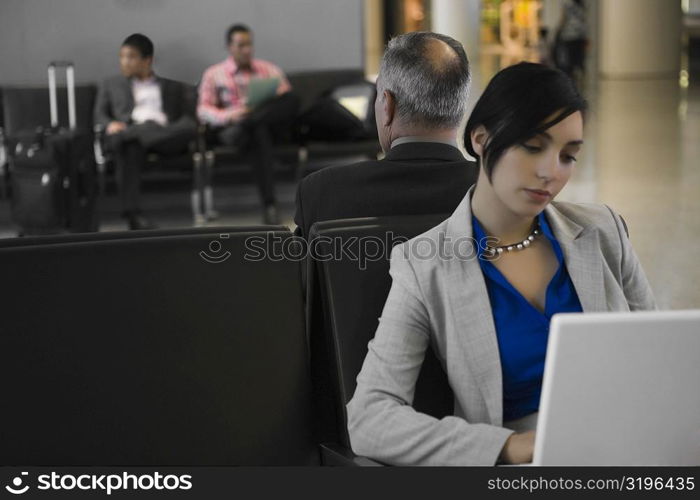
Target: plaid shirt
x,y
224,88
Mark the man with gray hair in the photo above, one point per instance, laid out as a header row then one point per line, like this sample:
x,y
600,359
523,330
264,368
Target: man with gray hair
x,y
421,100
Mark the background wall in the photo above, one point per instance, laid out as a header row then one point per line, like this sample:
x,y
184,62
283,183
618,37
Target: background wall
x,y
188,34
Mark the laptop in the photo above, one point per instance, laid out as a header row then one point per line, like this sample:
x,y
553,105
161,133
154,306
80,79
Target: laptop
x,y
621,389
261,90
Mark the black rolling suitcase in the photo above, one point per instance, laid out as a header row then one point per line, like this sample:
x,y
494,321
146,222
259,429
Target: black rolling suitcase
x,y
53,177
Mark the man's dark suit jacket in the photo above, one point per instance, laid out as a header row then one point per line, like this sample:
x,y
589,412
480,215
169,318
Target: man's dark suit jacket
x,y
115,100
414,178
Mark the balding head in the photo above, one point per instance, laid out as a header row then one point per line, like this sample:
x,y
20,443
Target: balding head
x,y
439,55
428,76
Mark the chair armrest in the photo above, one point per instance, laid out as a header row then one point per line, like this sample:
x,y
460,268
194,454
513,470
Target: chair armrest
x,y
4,165
333,454
98,144
3,151
100,158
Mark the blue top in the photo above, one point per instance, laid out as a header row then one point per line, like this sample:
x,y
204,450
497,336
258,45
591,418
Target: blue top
x,y
522,330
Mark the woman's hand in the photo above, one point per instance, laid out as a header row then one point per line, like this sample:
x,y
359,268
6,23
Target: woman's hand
x,y
518,448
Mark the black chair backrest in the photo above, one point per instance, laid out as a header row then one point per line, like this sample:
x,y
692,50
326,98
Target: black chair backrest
x,y
310,85
190,93
26,108
138,351
119,235
365,91
345,298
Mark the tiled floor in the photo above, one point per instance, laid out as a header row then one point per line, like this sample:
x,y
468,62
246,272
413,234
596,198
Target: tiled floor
x,y
641,157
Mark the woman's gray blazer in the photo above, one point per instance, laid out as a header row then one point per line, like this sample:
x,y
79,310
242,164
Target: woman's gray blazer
x,y
439,296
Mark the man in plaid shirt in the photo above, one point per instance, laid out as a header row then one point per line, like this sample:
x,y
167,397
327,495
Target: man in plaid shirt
x,y
223,94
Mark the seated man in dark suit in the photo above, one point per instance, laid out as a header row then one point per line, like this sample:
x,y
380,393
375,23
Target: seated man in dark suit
x,y
141,112
421,99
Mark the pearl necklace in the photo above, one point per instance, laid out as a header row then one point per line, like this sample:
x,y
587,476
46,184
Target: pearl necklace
x,y
490,252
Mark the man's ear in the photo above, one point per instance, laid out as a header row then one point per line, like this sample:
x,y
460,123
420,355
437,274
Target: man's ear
x,y
479,137
389,104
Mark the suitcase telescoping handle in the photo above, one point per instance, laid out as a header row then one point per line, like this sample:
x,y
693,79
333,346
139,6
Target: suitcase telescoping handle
x,y
70,86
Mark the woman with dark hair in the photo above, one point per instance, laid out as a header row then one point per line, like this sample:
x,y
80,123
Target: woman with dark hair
x,y
506,261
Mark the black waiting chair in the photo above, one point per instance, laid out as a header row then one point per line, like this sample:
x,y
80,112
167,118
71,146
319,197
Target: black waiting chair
x,y
312,87
345,298
155,350
26,108
57,239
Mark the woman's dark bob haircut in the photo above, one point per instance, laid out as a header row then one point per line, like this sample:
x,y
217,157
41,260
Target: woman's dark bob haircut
x,y
515,107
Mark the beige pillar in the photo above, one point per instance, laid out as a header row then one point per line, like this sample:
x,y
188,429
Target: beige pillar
x,y
374,36
460,19
639,38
